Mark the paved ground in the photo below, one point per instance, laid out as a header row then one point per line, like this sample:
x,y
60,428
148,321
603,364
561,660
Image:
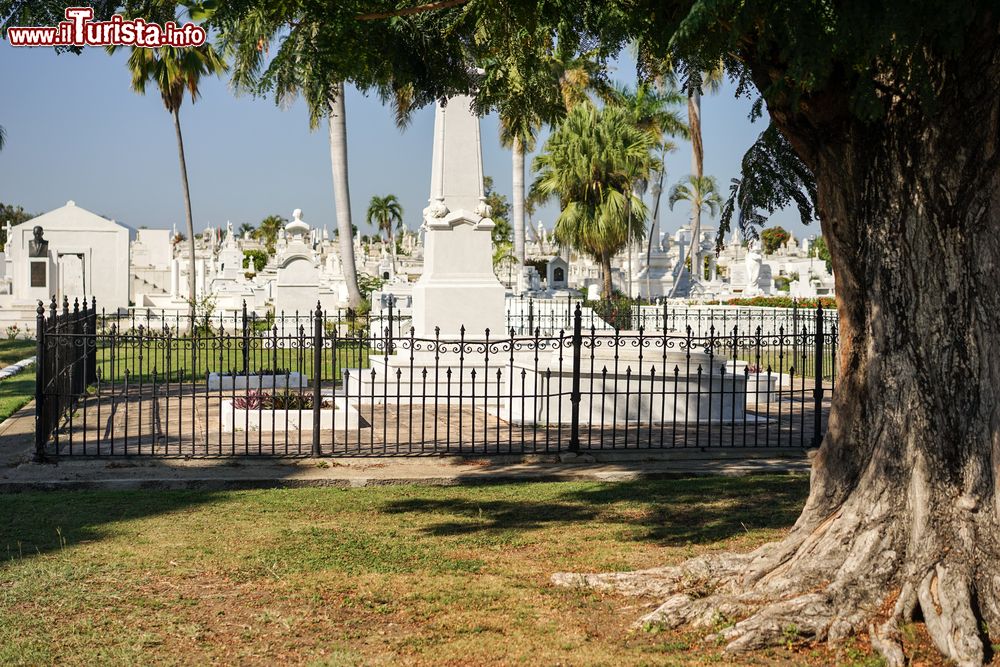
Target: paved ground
x,y
189,421
18,473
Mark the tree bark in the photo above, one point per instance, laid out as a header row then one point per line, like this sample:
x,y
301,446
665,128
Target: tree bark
x,y
342,195
903,515
192,279
517,174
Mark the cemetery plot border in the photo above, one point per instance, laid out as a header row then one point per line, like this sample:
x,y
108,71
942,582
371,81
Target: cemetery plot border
x,y
335,384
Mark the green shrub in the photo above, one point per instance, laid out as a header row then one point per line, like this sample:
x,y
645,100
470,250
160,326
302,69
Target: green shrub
x,y
776,302
262,400
258,257
773,238
616,311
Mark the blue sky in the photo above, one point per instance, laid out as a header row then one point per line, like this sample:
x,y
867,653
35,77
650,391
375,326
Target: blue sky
x,y
75,130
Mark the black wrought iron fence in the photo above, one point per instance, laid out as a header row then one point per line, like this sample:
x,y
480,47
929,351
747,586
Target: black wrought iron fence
x,y
327,385
64,364
525,314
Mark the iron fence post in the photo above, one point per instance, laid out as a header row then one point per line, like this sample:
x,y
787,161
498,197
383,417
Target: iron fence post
x,y
795,329
41,434
574,397
531,315
76,381
818,380
246,342
317,375
92,342
388,346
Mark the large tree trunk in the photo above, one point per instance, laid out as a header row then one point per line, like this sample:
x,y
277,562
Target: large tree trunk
x,y
903,515
517,173
341,193
192,282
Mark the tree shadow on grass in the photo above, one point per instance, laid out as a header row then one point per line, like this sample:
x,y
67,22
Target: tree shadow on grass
x,y
664,512
667,512
36,523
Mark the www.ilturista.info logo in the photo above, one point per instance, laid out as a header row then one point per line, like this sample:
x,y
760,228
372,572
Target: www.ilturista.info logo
x,y
79,30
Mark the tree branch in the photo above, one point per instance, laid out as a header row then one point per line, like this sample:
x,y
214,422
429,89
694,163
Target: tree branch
x,y
429,7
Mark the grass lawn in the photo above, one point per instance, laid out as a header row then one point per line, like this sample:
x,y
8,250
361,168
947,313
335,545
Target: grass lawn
x,y
393,575
16,391
803,365
213,356
12,351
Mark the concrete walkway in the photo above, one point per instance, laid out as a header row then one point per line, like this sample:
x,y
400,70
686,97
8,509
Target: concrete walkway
x,y
18,473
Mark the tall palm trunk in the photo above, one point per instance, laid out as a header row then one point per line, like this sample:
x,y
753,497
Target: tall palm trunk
x,y
192,280
608,288
341,193
697,167
693,250
654,228
392,247
518,203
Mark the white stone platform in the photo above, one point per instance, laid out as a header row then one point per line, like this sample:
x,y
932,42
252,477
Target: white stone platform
x,y
218,382
343,416
527,391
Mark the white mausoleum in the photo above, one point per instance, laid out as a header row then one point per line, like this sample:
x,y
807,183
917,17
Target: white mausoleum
x,y
88,256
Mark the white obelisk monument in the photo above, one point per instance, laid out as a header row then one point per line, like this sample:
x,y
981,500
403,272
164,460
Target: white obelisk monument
x,y
458,287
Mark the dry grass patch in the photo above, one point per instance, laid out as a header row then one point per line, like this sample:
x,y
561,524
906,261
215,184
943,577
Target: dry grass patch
x,y
394,575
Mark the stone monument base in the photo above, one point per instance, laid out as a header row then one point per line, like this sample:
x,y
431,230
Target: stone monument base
x,y
477,305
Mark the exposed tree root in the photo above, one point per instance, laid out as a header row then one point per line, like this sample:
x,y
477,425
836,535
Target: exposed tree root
x,y
851,573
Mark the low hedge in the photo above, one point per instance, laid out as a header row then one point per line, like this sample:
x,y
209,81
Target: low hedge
x,y
777,302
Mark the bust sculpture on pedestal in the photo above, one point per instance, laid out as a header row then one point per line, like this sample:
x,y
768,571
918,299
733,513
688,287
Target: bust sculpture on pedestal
x,y
37,246
38,259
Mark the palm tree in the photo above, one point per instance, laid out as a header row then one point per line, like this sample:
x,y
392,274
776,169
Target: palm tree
x,y
341,192
650,109
518,131
537,95
386,214
710,81
300,68
703,195
577,75
572,78
707,81
592,162
245,228
175,71
268,230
